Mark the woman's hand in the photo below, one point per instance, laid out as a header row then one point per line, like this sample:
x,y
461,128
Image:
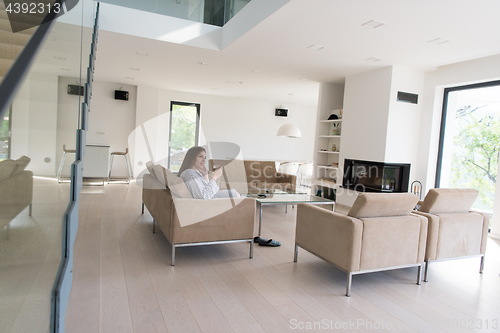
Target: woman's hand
x,y
203,170
217,173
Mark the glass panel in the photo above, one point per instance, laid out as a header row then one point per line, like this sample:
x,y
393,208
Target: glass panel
x,y
471,143
32,202
214,12
5,137
182,132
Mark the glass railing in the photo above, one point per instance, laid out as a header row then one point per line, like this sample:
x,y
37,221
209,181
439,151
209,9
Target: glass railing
x,y
213,12
42,117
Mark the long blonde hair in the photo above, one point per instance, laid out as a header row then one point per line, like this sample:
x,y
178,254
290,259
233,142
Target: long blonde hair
x,y
190,158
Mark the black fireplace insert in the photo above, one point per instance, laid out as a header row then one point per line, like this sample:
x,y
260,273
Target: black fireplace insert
x,y
370,176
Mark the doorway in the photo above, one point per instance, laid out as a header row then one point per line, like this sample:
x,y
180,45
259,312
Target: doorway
x,y
183,132
470,140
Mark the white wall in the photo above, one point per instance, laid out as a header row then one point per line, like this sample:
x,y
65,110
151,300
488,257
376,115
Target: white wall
x,y
115,119
365,117
403,127
249,123
468,72
34,122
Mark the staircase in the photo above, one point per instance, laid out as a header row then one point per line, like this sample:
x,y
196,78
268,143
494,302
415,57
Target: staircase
x,y
11,44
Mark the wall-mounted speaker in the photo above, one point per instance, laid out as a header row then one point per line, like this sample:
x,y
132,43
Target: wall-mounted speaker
x,y
75,90
120,94
407,97
281,112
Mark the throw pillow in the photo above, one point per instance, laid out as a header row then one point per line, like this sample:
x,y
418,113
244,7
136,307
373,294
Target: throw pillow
x,y
177,186
6,169
150,165
22,163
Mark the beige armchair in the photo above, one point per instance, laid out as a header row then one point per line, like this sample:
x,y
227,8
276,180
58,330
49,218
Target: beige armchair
x,y
379,233
189,222
454,230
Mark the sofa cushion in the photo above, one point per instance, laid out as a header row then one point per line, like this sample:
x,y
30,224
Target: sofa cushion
x,y
176,185
22,163
449,200
7,168
382,204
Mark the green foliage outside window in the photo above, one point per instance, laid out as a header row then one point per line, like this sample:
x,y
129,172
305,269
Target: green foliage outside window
x,y
475,152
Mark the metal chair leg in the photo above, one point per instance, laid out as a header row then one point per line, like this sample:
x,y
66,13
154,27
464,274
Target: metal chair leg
x,y
348,287
110,166
295,253
61,167
142,208
426,270
172,263
481,268
251,249
128,168
419,275
31,207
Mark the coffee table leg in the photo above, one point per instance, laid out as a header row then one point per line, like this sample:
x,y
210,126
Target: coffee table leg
x,y
259,208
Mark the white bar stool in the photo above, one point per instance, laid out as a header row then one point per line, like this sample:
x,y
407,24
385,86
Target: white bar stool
x,y
119,153
66,151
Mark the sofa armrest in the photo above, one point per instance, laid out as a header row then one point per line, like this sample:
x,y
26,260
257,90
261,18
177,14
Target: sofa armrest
x,y
330,235
432,234
287,178
486,226
197,220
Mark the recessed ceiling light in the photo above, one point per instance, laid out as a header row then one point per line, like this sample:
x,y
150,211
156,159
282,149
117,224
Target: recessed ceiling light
x,y
438,41
130,78
372,24
59,58
257,72
66,69
134,69
315,47
142,54
203,63
373,59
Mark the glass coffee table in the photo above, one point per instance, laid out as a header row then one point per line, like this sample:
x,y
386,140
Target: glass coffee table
x,y
283,198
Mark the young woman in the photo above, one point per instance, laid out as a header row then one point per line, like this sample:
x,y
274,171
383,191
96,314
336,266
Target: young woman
x,y
194,173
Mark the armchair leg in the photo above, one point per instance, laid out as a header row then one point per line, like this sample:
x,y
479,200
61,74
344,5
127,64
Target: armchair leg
x,y
426,271
251,249
172,263
419,275
31,207
348,287
481,268
142,208
154,224
295,253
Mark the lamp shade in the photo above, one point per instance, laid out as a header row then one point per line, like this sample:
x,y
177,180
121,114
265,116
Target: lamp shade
x,y
289,130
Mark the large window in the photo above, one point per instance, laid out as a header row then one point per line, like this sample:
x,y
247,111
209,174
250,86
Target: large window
x,y
470,140
5,136
184,129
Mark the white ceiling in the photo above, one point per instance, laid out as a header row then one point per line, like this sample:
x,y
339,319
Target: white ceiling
x,y
278,48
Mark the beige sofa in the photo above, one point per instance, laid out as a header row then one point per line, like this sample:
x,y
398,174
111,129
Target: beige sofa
x,y
253,176
379,233
454,230
16,189
187,222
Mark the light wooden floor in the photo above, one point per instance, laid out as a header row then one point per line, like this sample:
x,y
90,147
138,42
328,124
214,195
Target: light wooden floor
x,y
123,282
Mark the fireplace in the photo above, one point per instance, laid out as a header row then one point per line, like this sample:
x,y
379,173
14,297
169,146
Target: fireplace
x,y
370,176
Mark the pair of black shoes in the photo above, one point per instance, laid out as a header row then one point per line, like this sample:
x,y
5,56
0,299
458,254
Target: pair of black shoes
x,y
266,242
